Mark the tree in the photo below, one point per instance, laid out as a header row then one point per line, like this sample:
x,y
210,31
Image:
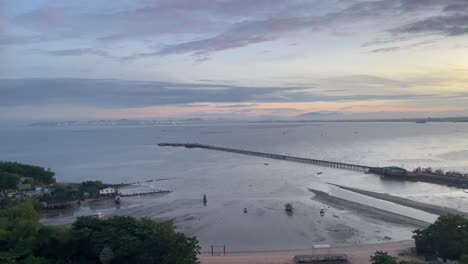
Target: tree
x,y
131,240
121,239
381,257
446,238
62,193
38,174
106,255
8,180
19,226
91,187
464,259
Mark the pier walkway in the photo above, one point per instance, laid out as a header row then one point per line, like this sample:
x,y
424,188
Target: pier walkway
x,y
327,163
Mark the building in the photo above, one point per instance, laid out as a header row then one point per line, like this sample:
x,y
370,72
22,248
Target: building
x,y
107,191
395,171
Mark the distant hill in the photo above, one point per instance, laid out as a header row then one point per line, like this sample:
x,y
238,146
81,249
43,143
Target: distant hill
x,y
119,122
318,114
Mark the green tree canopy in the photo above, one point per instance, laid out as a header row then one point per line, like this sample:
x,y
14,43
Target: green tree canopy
x,y
91,187
446,238
120,239
62,193
8,180
131,241
39,174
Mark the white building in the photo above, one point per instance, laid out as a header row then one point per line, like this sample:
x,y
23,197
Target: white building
x,y
107,191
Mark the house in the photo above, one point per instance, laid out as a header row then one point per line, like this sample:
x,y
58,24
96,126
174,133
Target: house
x,y
107,191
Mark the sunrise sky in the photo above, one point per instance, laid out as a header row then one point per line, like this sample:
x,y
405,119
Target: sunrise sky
x,y
239,59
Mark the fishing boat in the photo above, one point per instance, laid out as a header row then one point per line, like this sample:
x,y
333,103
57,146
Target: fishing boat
x,y
322,211
288,208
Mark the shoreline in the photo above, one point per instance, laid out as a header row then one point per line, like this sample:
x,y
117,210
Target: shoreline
x,y
429,208
367,211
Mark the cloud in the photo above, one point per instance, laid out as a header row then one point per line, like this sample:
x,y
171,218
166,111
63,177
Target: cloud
x,y
236,106
120,93
448,25
254,31
384,50
77,52
203,27
404,47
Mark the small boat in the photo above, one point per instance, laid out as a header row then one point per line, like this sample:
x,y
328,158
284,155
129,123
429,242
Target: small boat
x,y
117,199
204,199
288,208
319,172
245,210
266,164
322,211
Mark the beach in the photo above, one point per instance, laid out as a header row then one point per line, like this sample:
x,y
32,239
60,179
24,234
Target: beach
x,y
357,254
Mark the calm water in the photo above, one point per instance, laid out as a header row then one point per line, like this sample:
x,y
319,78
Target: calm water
x,y
233,182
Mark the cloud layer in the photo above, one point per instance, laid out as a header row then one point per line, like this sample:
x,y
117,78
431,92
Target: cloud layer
x,y
212,26
269,57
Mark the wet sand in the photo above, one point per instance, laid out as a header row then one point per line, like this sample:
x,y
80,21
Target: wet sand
x,y
429,208
358,254
367,211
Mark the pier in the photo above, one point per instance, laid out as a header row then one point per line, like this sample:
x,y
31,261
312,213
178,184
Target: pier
x,y
392,171
326,163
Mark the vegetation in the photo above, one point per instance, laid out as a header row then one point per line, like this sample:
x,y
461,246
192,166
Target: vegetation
x,y
8,180
39,175
381,257
71,192
119,239
91,187
447,238
62,193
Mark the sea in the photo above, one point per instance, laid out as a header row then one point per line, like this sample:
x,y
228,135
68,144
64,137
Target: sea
x,y
235,183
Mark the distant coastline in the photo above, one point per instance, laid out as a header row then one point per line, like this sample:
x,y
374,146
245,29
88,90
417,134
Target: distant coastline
x,y
130,122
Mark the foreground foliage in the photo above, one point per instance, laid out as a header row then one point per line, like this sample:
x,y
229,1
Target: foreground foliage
x,y
119,239
447,238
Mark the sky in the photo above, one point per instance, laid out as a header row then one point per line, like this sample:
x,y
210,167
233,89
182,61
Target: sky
x,y
233,59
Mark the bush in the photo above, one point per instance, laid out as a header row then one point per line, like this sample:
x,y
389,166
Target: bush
x,y
381,257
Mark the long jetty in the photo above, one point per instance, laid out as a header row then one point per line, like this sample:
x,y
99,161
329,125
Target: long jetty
x,y
392,171
327,163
